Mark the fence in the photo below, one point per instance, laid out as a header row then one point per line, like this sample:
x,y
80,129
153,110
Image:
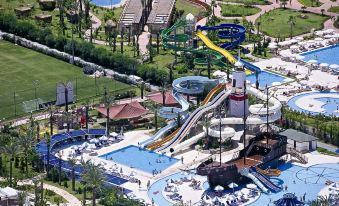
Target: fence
x,y
20,102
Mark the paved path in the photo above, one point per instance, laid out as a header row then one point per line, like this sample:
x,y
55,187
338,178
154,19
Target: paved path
x,y
143,42
328,147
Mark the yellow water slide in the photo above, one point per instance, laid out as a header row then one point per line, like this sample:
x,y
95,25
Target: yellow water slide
x,y
222,51
158,144
212,92
214,47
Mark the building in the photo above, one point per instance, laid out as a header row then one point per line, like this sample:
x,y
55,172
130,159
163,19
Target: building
x,y
300,141
160,16
131,17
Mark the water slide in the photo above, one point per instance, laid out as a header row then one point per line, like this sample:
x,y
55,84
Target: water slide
x,y
257,116
192,120
224,52
163,131
264,183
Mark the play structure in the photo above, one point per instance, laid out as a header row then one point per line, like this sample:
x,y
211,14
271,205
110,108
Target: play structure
x,y
231,100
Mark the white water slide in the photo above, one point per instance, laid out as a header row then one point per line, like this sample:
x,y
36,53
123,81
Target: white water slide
x,y
258,115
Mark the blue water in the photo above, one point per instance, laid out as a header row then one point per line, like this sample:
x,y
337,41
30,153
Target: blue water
x,y
105,2
330,106
328,55
298,180
141,159
266,78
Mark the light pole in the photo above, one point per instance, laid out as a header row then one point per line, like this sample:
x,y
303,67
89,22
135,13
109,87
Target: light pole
x,y
36,84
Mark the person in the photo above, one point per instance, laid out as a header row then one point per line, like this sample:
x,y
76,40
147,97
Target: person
x,y
139,182
182,159
286,187
293,181
148,183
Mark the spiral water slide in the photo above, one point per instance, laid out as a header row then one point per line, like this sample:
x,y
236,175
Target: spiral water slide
x,y
235,34
179,87
257,116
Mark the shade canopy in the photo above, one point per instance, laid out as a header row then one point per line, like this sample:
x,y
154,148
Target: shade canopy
x,y
288,199
324,65
232,185
219,188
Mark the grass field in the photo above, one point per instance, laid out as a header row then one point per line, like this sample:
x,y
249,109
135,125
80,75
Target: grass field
x,y
310,3
275,23
188,7
20,67
237,10
334,9
254,2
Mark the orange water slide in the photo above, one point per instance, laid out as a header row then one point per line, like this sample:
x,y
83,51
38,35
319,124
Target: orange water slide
x,y
157,144
212,92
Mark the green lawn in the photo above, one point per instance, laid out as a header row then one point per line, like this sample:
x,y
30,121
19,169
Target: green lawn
x,y
228,10
275,23
20,67
310,3
188,7
253,2
334,9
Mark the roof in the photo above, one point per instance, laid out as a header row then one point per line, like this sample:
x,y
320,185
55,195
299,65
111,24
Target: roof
x,y
132,12
124,111
297,136
9,192
158,98
161,11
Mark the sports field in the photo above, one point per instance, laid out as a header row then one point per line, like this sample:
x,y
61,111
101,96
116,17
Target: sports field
x,y
22,70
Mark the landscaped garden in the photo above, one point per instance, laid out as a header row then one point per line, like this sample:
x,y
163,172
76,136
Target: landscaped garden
x,y
229,10
310,3
334,9
286,22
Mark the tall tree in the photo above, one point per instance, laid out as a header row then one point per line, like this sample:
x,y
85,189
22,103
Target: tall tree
x,y
27,143
94,177
291,21
108,100
61,4
12,148
72,162
48,143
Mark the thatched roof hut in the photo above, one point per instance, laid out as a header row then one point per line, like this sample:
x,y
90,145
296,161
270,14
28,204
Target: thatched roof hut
x,y
47,4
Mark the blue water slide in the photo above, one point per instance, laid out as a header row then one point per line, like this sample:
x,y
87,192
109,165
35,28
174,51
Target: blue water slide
x,y
235,32
261,180
250,66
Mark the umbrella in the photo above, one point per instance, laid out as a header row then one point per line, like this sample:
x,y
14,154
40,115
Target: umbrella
x,y
113,134
299,57
215,199
294,47
318,39
85,144
302,43
103,138
300,38
334,66
219,188
205,197
324,65
91,147
310,41
288,199
231,198
312,61
174,189
232,185
74,147
245,191
251,186
94,140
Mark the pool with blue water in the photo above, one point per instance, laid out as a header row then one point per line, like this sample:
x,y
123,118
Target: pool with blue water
x,y
140,159
267,78
330,106
106,2
299,180
328,55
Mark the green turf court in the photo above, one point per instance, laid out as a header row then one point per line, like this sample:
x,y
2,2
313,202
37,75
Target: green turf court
x,y
21,68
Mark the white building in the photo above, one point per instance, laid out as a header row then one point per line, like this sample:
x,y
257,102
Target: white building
x,y
300,141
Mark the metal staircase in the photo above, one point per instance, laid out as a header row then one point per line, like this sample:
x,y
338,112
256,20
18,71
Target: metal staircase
x,y
294,153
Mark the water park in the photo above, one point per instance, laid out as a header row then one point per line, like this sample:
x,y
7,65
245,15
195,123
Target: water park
x,y
169,107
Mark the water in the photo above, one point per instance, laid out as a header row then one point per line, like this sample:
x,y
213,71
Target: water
x,y
105,2
298,180
330,106
266,78
141,159
328,55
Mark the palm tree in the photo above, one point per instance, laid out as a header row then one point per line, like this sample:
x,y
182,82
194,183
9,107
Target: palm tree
x,y
108,101
27,143
122,40
94,177
80,18
73,161
61,15
59,155
12,149
48,143
291,21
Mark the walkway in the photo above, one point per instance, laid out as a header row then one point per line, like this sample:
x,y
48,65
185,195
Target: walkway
x,y
143,43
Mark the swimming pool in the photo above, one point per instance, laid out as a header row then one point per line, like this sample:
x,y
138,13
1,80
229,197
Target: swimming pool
x,y
326,103
299,180
328,55
139,158
268,78
106,2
